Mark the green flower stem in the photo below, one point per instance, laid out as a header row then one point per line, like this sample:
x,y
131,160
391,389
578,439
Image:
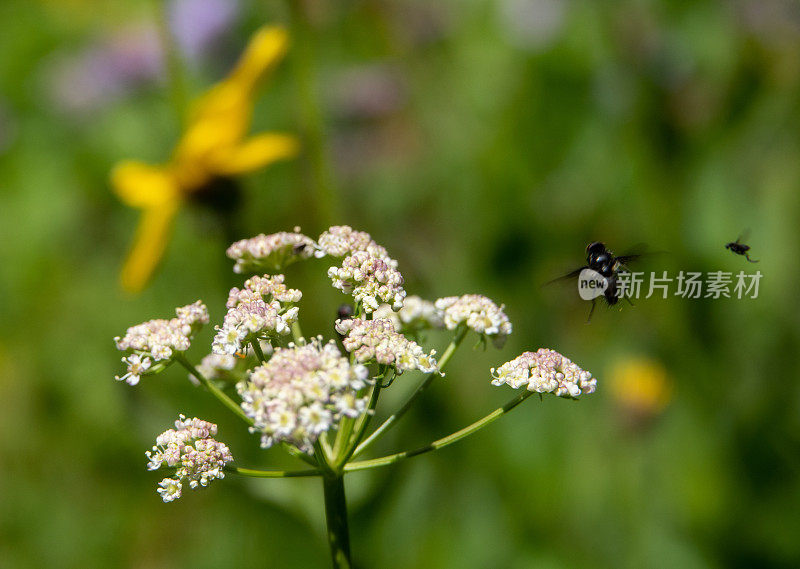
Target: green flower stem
x,y
326,449
215,391
321,456
274,473
297,453
257,349
345,441
311,113
443,442
363,423
343,433
297,332
388,423
336,518
173,63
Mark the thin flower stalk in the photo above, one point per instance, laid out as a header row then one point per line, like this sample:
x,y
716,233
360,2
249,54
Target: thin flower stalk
x,y
397,415
215,391
443,442
362,424
252,473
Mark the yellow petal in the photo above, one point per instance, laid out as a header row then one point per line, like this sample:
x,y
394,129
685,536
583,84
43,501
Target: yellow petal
x,y
141,185
226,99
222,116
149,245
266,48
223,126
254,153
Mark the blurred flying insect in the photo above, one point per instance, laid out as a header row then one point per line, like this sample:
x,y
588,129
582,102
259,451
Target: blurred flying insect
x,y
740,248
603,268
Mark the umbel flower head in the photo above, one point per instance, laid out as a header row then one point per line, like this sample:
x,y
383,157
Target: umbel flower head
x,y
377,341
367,272
478,313
270,253
370,280
302,392
545,371
343,240
214,146
263,309
159,340
191,449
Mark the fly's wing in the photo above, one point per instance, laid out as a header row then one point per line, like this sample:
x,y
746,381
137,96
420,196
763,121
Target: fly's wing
x,y
569,276
635,253
743,236
623,260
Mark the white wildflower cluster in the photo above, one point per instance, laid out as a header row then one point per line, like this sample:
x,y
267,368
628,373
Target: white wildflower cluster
x,y
192,451
271,253
342,240
378,341
415,315
370,280
264,308
263,288
477,312
301,392
545,371
158,340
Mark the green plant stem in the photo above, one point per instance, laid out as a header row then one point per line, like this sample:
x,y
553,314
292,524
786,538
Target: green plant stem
x,y
297,453
321,457
336,521
274,473
443,442
297,332
215,391
362,424
343,433
257,349
388,423
173,63
311,114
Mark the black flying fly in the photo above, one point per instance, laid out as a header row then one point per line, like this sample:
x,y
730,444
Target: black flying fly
x,y
740,248
603,261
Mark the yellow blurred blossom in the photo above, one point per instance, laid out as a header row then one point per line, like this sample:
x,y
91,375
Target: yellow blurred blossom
x,y
641,386
215,144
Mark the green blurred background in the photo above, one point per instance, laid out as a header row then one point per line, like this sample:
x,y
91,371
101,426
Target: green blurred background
x,y
484,143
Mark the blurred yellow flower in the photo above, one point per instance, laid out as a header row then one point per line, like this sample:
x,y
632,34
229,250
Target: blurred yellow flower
x,y
215,144
641,386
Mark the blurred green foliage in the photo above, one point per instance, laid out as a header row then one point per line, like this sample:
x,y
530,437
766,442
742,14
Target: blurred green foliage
x,y
484,143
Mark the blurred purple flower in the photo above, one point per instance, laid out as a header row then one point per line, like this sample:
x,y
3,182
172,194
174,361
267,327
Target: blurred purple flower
x,y
83,81
368,92
773,21
199,25
131,57
369,101
533,25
